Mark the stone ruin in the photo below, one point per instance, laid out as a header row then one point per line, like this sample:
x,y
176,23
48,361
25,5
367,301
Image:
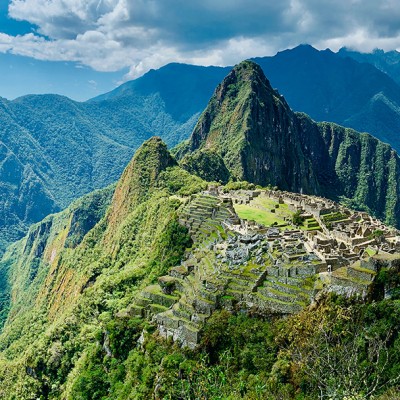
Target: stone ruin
x,y
243,266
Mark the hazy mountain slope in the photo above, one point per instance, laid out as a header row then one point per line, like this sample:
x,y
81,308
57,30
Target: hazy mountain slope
x,y
258,138
55,153
329,87
67,149
23,195
385,61
177,85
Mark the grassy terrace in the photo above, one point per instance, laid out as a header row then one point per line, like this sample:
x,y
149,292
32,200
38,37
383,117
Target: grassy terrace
x,y
252,213
260,211
334,217
370,252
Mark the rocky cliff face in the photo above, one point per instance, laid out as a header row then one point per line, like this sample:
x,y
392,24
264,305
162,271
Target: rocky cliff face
x,y
251,128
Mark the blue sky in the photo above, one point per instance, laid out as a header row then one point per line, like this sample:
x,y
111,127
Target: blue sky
x,y
81,48
20,75
10,25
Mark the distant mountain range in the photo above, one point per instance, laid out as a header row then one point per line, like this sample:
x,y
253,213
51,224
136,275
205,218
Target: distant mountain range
x,y
388,62
54,150
329,87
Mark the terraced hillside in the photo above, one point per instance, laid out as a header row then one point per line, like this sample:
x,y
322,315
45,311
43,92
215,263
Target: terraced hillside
x,y
249,133
267,265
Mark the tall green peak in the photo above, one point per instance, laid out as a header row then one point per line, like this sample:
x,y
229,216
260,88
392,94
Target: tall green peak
x,y
140,176
146,165
246,71
233,97
251,128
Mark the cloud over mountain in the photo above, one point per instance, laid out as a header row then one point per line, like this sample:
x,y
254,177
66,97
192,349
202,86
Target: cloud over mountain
x,y
111,34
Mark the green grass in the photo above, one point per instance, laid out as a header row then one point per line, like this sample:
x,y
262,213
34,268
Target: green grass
x,y
259,211
365,270
370,252
252,213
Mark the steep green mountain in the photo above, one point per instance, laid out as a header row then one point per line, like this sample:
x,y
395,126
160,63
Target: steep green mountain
x,y
86,292
385,61
250,129
66,149
53,149
60,272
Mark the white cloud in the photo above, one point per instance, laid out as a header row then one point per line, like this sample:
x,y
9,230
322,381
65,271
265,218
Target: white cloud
x,y
108,35
360,40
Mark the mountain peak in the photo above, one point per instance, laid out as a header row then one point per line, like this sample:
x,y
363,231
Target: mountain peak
x,y
248,126
241,90
241,75
150,159
139,177
303,49
247,70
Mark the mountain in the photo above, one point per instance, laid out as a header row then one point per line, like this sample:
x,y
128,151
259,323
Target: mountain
x,y
328,87
252,132
97,300
52,274
386,61
184,89
53,149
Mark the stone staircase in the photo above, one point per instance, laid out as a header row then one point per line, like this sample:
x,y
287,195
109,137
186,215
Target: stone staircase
x,y
197,298
239,283
310,223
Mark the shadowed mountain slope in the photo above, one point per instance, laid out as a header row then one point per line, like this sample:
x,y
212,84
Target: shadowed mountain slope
x,y
53,149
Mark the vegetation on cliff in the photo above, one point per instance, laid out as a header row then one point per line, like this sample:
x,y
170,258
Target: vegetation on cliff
x,y
64,289
70,329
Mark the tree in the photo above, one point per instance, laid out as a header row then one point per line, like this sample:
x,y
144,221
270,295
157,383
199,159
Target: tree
x,y
342,359
297,219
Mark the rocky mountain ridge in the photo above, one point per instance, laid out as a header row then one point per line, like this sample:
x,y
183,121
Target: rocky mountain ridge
x,y
61,148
